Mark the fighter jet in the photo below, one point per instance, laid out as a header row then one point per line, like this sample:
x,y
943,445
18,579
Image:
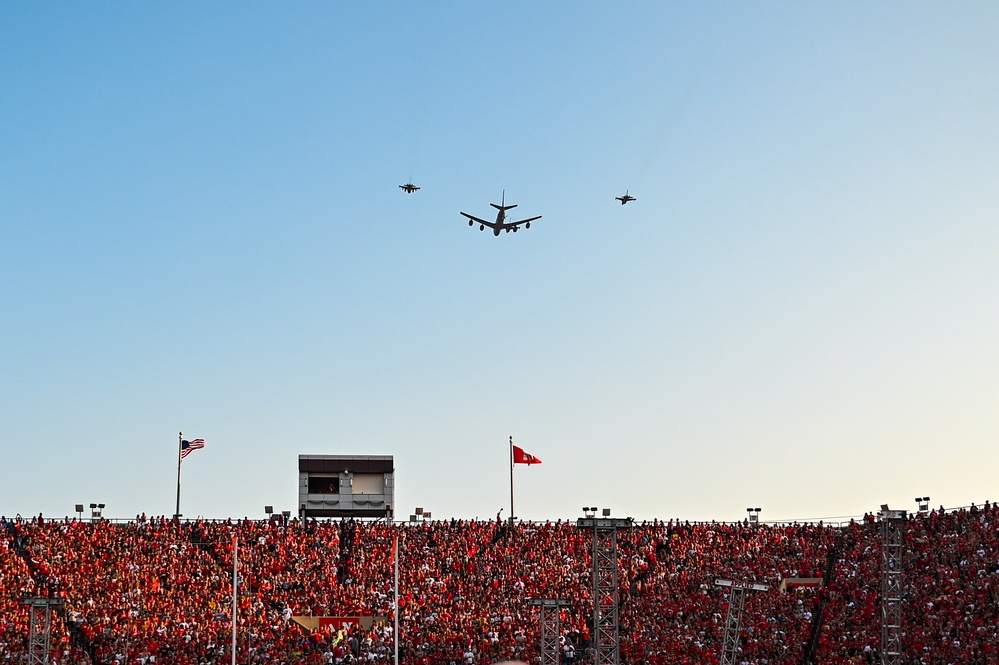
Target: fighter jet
x,y
500,224
409,188
627,197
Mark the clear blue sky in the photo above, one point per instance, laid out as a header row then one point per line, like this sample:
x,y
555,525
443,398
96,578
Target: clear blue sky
x,y
201,230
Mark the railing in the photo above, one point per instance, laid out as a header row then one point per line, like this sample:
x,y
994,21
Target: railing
x,y
840,521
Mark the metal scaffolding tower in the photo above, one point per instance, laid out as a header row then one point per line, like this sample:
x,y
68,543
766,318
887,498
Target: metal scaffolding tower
x,y
606,636
40,627
892,525
550,629
733,620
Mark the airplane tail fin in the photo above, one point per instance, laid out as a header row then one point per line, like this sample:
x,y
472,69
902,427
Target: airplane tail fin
x,y
502,205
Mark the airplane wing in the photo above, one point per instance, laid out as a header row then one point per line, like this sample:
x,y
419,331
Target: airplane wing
x,y
478,220
523,221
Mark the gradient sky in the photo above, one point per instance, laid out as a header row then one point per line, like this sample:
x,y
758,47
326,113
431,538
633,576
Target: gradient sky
x,y
201,231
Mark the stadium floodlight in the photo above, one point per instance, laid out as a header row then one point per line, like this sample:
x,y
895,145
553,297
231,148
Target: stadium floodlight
x,y
605,636
924,503
754,516
79,510
419,510
269,510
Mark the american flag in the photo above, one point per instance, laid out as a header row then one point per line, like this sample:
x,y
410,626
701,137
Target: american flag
x,y
187,447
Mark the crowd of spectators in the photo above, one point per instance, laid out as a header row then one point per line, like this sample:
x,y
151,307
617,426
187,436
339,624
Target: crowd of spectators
x,y
23,576
950,592
160,591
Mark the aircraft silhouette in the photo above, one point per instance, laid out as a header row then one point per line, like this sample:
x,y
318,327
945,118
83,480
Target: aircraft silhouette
x,y
627,197
500,224
409,188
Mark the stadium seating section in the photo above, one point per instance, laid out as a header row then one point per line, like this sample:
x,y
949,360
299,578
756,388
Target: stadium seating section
x,y
157,591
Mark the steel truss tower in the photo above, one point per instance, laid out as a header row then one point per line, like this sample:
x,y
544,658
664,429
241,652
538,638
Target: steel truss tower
x,y
733,620
606,635
40,627
550,630
892,526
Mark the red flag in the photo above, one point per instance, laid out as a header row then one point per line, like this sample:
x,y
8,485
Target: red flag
x,y
520,457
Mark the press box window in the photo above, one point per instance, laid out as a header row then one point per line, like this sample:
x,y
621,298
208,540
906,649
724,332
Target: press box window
x,y
324,485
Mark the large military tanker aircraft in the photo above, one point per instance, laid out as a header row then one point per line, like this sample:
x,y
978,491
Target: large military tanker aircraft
x,y
500,224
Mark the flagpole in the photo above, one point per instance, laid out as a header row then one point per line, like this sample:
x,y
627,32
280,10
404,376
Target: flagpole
x,y
235,559
180,446
511,481
396,599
